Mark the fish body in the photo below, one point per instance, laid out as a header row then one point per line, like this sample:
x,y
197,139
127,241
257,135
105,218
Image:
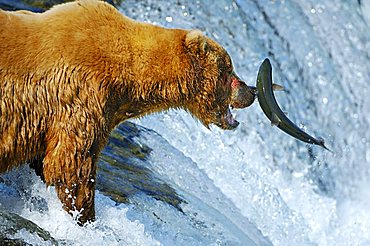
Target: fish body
x,y
272,110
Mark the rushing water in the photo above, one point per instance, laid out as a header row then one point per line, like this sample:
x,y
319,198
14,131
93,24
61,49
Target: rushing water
x,y
187,185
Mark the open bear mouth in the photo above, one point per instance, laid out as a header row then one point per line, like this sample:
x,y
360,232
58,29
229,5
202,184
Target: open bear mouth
x,y
228,121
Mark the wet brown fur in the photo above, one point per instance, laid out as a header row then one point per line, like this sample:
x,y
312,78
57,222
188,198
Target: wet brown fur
x,y
70,75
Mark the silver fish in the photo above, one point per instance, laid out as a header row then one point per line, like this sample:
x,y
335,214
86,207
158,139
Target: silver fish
x,y
272,110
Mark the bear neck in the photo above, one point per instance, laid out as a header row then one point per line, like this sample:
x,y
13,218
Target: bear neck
x,y
158,75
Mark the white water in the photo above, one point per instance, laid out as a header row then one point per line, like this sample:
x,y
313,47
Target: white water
x,y
320,51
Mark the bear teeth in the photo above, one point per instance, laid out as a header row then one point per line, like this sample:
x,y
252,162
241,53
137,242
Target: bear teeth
x,y
230,119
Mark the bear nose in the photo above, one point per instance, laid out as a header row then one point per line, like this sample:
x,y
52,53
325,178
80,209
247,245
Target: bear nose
x,y
253,90
242,96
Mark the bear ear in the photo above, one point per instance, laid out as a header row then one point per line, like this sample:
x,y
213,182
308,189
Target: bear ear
x,y
195,41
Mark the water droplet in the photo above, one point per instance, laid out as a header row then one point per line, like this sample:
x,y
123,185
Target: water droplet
x,y
298,174
169,19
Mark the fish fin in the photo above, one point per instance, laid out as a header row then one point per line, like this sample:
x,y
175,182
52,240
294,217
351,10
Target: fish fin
x,y
276,87
275,121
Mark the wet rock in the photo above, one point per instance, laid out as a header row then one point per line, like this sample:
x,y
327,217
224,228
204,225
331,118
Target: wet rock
x,y
12,224
122,171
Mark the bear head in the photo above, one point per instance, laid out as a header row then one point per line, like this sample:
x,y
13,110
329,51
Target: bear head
x,y
218,86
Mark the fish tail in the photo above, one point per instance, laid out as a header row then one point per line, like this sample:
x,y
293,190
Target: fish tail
x,y
321,143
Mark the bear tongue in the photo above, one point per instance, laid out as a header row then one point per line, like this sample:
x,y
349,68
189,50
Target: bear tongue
x,y
230,120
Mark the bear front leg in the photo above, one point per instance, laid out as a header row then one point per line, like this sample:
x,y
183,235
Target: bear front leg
x,y
69,165
78,199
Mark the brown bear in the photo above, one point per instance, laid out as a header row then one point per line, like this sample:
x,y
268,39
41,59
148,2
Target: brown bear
x,y
69,75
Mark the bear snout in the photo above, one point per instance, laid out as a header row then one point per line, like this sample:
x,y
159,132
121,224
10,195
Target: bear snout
x,y
242,96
